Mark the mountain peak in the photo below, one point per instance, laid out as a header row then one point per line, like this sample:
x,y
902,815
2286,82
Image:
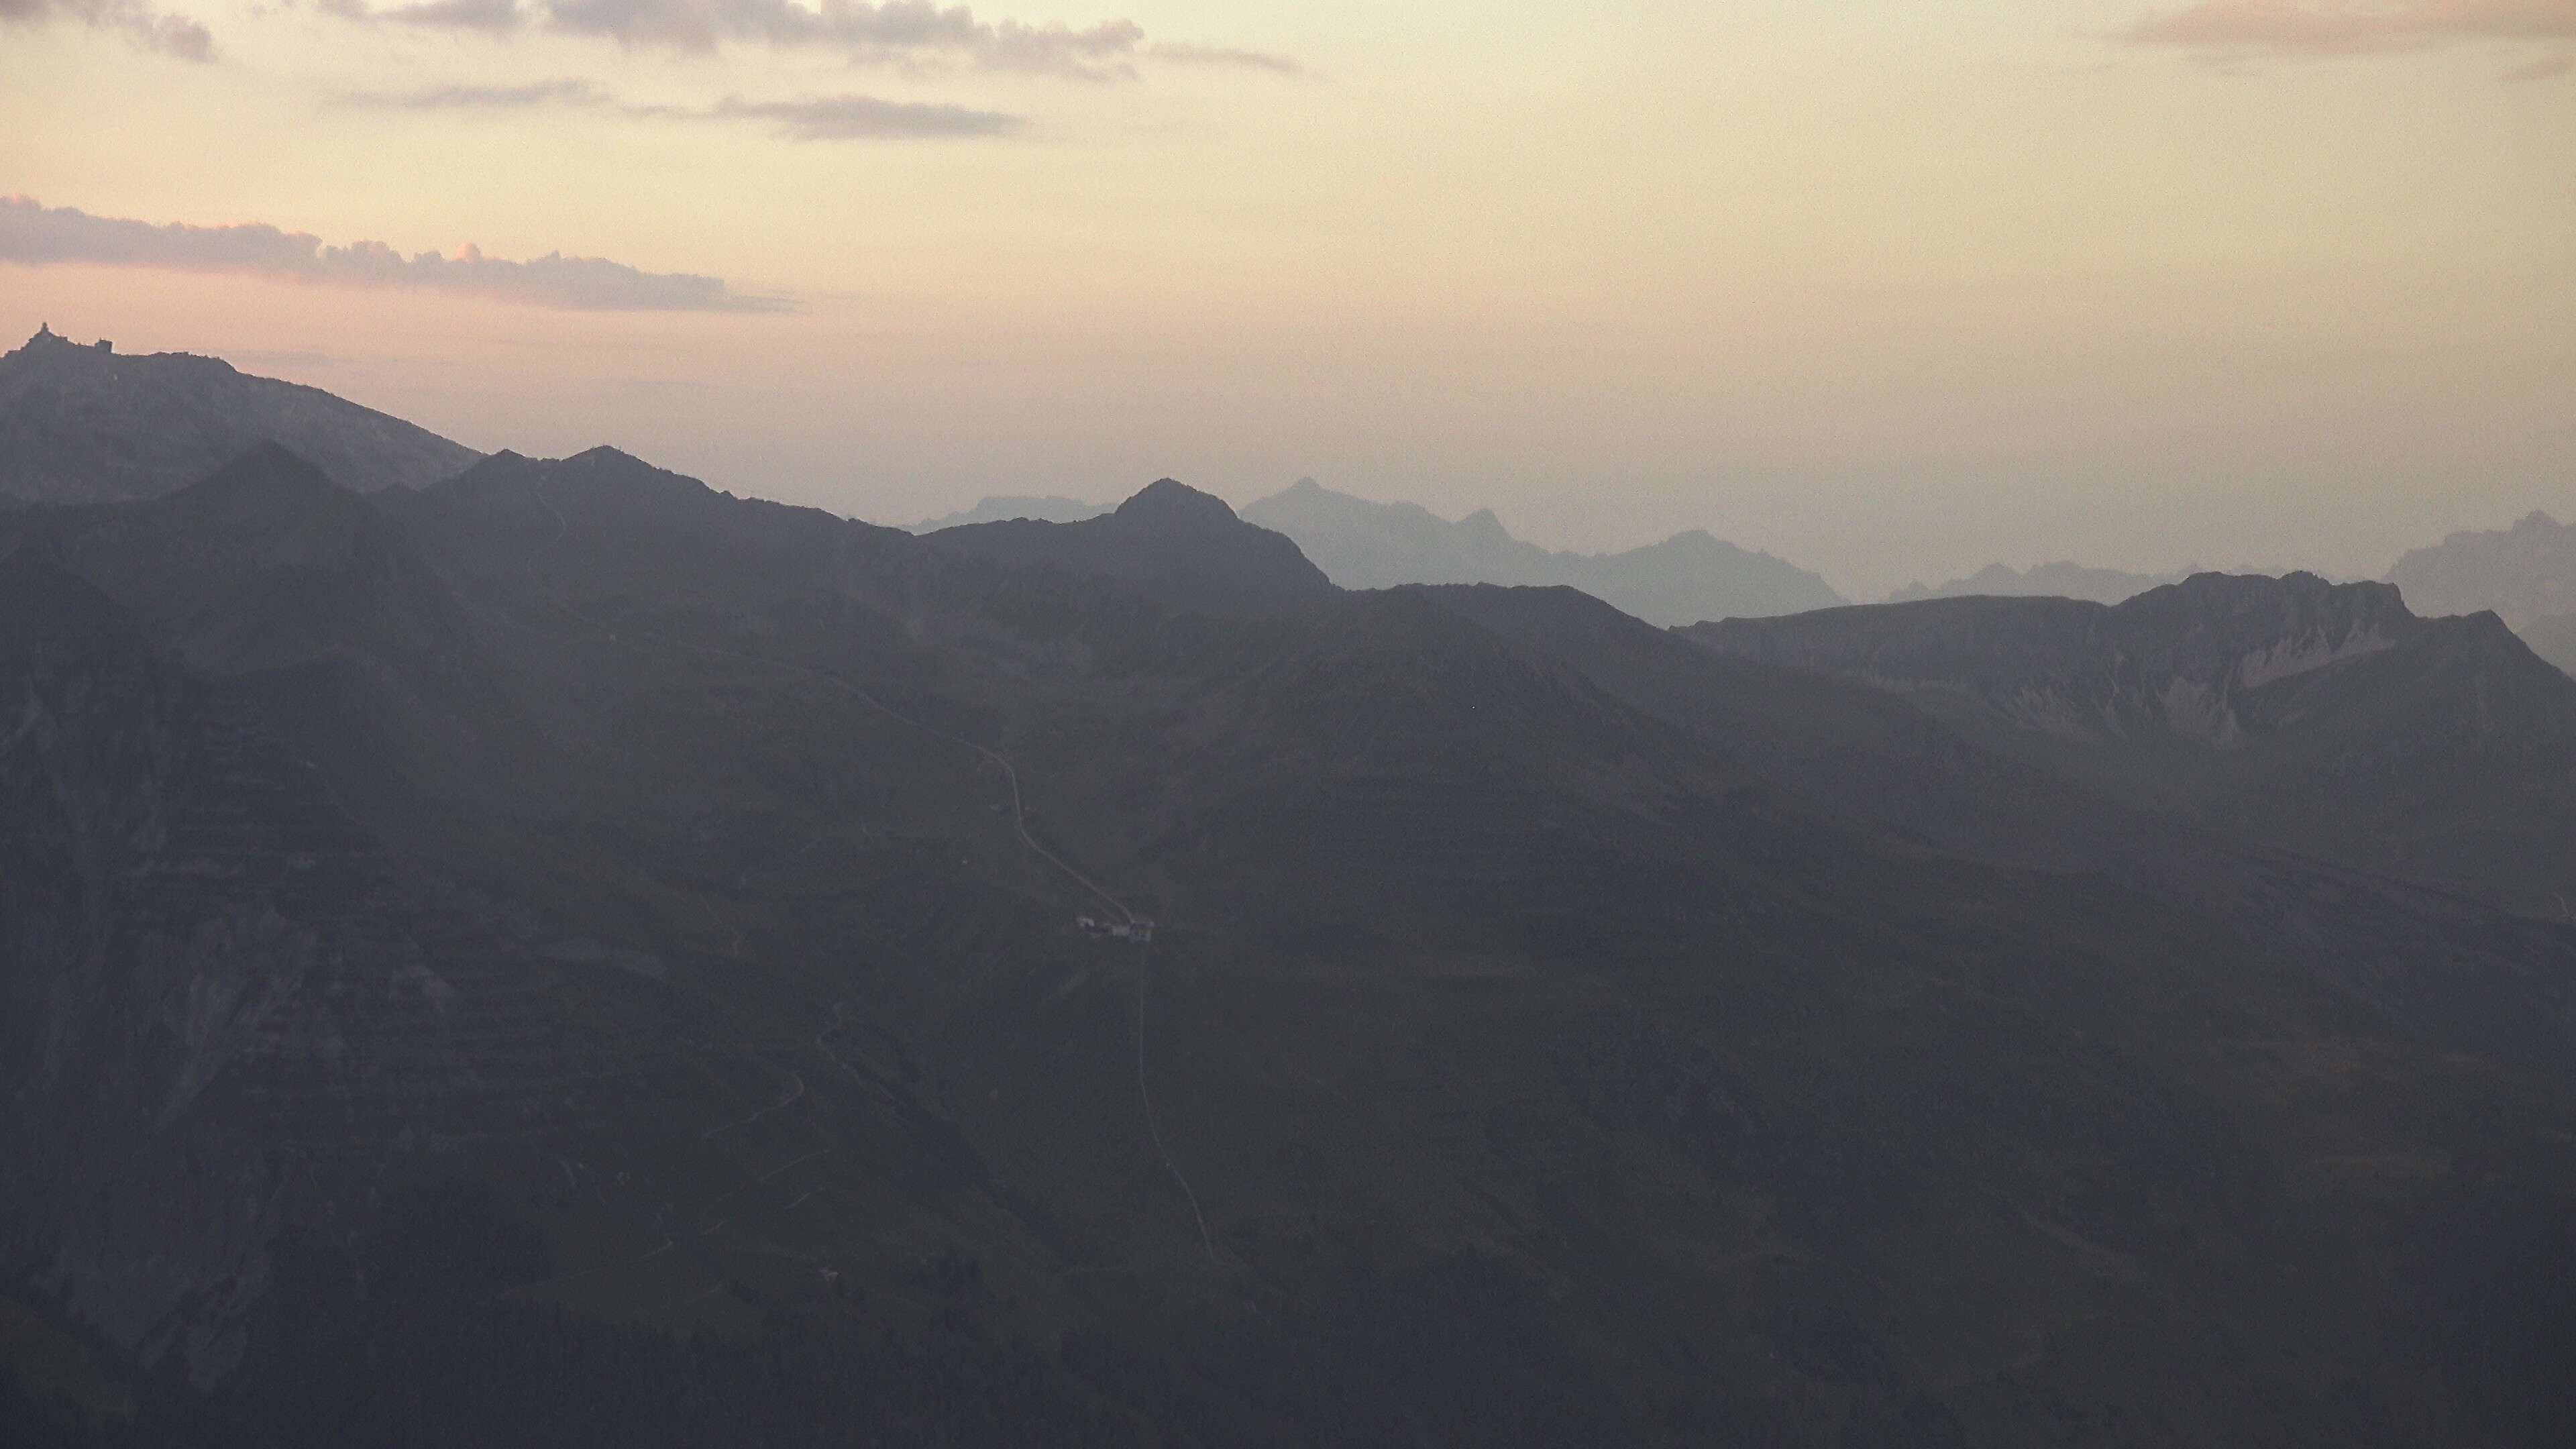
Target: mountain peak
x,y
1168,499
1171,543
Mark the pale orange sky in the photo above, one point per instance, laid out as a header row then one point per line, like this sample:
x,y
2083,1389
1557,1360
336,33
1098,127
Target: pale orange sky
x,y
1892,293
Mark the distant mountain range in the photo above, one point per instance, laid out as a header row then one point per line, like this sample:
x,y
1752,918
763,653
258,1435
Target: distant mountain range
x,y
1686,578
1002,508
2048,580
2524,573
1361,544
86,424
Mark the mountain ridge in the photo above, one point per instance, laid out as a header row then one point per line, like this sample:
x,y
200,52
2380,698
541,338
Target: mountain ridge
x,y
1686,578
1169,542
2328,716
89,424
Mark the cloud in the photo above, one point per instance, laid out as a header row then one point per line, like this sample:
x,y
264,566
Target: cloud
x,y
864,118
894,32
34,234
141,25
483,98
2352,27
823,118
494,15
1220,55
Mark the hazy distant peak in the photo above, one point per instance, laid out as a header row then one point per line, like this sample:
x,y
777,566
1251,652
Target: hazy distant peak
x,y
2062,579
1001,507
2524,573
1691,576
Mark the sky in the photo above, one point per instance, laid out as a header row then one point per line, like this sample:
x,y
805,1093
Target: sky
x,y
1891,290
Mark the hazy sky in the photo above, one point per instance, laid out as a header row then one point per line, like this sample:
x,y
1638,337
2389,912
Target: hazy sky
x,y
1892,290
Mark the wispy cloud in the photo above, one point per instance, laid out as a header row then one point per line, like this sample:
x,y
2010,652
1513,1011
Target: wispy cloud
x,y
863,118
34,234
1186,54
564,92
2352,27
817,118
895,32
139,23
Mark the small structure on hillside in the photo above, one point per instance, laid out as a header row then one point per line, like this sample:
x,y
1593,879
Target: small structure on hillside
x,y
1137,929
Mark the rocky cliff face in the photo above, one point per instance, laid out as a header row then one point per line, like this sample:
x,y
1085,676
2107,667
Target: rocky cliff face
x,y
239,997
2327,717
2176,660
137,972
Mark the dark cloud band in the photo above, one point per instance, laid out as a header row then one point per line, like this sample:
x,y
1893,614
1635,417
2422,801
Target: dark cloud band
x,y
34,234
139,23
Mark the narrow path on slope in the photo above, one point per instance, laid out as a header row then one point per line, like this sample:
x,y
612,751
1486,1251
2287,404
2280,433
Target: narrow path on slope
x,y
1019,827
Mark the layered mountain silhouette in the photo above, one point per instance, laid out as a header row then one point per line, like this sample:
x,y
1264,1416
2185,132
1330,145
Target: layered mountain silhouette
x,y
2049,580
86,424
1002,508
2521,574
1170,543
1686,578
2320,715
568,954
2553,637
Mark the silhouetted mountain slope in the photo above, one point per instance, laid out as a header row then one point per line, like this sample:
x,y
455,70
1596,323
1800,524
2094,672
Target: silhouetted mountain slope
x,y
2553,637
1003,508
2522,574
2325,717
86,425
1546,1038
1170,543
1686,578
2048,580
